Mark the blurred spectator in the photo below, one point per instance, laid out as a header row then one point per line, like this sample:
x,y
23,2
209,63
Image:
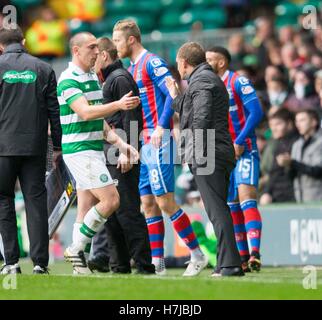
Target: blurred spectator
x,y
285,35
277,91
304,96
305,161
279,187
272,72
47,36
317,34
195,31
236,47
289,55
274,52
264,32
316,59
318,82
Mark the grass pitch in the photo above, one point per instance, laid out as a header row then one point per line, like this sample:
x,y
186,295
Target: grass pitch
x,y
270,283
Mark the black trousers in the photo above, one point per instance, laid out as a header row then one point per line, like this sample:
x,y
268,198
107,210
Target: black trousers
x,y
30,170
214,190
125,231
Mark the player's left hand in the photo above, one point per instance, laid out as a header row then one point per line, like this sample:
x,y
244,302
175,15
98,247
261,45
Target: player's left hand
x,y
172,87
124,164
156,137
130,152
239,150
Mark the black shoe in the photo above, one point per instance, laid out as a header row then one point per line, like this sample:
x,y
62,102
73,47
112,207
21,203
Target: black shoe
x,y
254,262
40,270
229,272
121,270
99,264
10,269
144,271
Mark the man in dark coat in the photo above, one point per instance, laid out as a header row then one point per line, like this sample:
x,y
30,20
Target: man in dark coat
x,y
207,147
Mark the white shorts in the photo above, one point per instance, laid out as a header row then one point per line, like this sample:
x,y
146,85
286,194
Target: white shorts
x,y
89,171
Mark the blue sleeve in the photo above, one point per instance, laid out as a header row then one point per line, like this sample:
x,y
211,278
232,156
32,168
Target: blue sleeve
x,y
158,71
250,101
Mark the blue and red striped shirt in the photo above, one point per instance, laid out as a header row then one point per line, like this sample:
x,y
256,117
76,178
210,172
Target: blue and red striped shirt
x,y
245,111
149,72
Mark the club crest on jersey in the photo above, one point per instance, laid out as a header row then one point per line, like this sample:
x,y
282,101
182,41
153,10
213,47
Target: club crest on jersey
x,y
243,80
156,62
160,71
247,89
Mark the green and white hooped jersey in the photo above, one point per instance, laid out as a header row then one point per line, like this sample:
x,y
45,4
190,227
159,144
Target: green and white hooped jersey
x,y
79,135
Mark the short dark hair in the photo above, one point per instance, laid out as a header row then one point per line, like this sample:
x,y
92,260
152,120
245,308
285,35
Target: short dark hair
x,y
282,114
10,36
106,44
313,114
223,51
192,53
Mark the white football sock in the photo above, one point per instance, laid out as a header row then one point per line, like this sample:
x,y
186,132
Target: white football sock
x,y
93,222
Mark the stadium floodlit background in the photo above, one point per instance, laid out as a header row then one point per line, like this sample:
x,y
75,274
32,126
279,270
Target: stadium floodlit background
x,y
274,43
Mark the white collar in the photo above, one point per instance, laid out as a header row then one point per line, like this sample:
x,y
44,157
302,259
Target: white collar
x,y
225,76
139,56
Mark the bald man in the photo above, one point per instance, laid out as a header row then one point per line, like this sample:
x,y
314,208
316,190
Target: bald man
x,y
81,114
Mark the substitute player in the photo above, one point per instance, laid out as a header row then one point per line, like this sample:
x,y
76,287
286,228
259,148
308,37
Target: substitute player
x,y
245,113
157,168
81,115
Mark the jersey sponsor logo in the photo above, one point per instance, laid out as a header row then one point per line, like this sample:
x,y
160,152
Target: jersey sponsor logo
x,y
143,90
160,71
233,108
156,62
13,76
243,80
247,89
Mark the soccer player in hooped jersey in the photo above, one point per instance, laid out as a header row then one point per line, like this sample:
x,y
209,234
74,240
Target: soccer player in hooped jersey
x,y
82,119
156,176
245,113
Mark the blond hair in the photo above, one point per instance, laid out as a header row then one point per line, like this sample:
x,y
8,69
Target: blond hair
x,y
129,27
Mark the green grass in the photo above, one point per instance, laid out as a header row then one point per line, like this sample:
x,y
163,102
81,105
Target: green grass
x,y
270,283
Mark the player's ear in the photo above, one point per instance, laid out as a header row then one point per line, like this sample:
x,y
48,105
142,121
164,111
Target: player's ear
x,y
131,40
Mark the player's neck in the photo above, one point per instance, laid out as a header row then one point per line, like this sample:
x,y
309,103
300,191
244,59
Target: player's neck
x,y
77,63
222,72
136,51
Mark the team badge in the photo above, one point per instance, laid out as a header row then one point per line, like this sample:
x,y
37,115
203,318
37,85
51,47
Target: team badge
x,y
104,177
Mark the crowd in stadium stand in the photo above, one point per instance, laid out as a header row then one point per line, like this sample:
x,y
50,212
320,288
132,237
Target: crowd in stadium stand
x,y
283,60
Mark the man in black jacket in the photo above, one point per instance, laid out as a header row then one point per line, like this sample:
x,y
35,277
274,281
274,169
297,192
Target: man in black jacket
x,y
207,147
125,235
27,102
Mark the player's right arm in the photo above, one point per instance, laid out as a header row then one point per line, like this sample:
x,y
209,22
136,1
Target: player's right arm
x,y
87,112
74,97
